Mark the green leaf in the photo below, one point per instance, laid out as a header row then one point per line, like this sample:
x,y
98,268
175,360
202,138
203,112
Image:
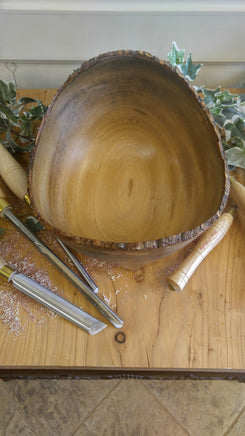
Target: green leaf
x,y
26,124
232,111
38,111
190,70
25,100
236,128
176,56
3,123
8,113
226,96
10,141
209,96
219,119
236,156
1,230
7,91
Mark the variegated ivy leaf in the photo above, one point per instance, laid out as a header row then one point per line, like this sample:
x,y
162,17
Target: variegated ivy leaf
x,y
18,119
176,56
209,95
7,91
189,69
236,157
226,97
7,113
236,128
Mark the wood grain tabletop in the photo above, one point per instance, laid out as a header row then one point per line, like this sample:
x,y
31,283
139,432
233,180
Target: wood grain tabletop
x,y
201,328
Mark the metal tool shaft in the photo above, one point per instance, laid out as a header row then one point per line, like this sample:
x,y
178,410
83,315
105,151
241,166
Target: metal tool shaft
x,y
79,266
67,272
56,303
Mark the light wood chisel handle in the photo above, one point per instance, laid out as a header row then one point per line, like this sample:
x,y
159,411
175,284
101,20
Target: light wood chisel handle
x,y
13,174
180,277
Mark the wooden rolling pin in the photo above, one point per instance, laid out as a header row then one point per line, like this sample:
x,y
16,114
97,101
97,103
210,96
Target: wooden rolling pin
x,y
179,278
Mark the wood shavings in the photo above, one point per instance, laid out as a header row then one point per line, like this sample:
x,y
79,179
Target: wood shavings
x,y
17,310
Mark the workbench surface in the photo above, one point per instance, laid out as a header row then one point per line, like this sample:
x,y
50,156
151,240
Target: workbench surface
x,y
200,329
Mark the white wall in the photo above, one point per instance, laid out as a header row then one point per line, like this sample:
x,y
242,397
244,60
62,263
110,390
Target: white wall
x,y
46,40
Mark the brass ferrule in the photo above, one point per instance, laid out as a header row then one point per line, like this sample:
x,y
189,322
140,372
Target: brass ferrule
x,y
27,200
233,210
6,272
3,204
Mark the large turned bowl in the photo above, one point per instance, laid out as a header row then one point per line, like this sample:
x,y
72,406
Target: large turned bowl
x,y
128,166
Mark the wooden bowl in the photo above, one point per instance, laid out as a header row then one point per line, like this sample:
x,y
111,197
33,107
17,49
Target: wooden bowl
x,y
128,165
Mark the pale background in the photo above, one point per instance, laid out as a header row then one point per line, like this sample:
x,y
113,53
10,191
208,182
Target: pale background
x,y
43,41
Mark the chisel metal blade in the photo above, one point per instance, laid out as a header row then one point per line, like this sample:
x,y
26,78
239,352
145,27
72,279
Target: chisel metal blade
x,y
56,303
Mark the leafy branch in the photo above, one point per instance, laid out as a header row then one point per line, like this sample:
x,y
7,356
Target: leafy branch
x,y
226,109
19,119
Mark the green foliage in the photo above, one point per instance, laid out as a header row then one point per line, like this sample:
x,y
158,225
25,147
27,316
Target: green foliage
x,y
236,156
176,56
188,69
19,119
1,231
226,109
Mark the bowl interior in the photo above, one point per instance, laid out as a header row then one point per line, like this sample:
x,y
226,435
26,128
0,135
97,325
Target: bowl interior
x,y
127,154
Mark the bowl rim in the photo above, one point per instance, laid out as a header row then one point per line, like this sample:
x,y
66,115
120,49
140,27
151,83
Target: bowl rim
x,y
147,244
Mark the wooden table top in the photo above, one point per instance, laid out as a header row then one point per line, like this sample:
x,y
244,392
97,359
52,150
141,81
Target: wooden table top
x,y
201,329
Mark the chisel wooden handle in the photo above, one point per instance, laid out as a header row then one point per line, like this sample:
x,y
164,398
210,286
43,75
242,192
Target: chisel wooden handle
x,y
237,193
179,278
13,174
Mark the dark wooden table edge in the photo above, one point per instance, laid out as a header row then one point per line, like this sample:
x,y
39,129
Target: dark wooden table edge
x,y
120,373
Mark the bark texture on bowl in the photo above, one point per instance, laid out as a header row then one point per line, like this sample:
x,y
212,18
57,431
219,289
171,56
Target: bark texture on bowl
x,y
128,165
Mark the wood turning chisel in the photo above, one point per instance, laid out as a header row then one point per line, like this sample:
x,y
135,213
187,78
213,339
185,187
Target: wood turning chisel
x,y
51,300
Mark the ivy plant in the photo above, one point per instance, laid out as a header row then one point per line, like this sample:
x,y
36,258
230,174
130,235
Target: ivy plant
x,y
19,119
226,108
